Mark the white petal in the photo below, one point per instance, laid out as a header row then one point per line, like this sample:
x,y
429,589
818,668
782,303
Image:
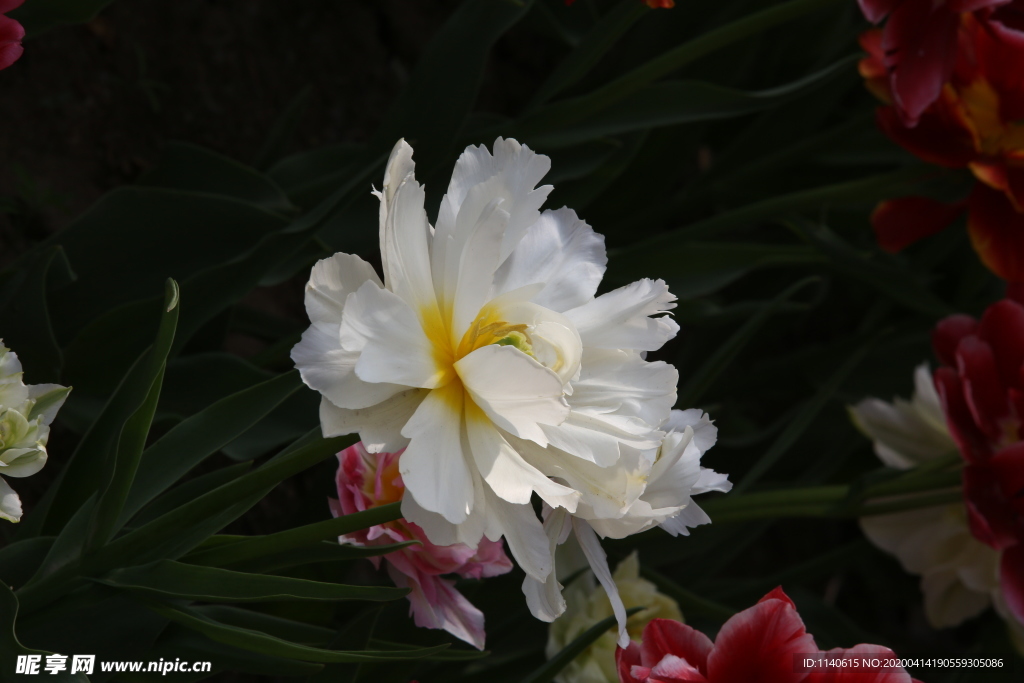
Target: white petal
x,y
433,466
23,462
948,602
705,433
379,426
442,532
399,167
523,533
394,347
516,392
561,252
597,436
621,318
505,471
518,170
599,565
605,491
624,383
903,437
10,503
689,517
328,368
544,598
407,247
331,281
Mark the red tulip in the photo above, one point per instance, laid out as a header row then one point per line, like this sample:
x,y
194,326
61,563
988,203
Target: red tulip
x,y
11,33
981,385
918,44
763,644
974,123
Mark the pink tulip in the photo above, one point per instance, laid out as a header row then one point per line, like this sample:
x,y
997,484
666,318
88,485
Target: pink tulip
x,y
367,480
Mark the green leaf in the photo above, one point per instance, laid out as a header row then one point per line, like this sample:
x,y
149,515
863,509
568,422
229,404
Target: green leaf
x,y
194,231
705,376
898,284
263,643
591,49
309,177
667,104
433,106
863,190
42,15
324,551
804,418
570,112
696,268
188,645
196,438
21,559
175,533
184,166
189,490
25,310
167,579
547,672
309,534
283,131
11,647
132,440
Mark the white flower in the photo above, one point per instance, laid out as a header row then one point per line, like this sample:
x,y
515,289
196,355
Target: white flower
x,y
486,355
25,416
587,606
663,482
959,574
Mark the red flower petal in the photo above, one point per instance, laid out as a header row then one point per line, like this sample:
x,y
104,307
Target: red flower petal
x,y
758,645
667,637
900,222
939,137
991,520
997,232
1011,580
875,10
7,5
852,675
1002,326
625,660
947,335
918,41
984,392
973,444
778,594
1008,466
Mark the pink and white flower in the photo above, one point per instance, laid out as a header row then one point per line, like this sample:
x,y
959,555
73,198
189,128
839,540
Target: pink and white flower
x,y
366,480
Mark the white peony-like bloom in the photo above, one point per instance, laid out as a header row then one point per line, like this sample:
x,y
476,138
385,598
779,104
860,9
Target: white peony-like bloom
x,y
659,486
959,574
25,416
485,353
586,607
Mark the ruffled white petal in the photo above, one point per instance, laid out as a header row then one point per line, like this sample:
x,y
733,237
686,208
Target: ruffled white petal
x,y
516,392
330,369
599,565
10,503
331,281
379,426
544,598
562,253
433,466
389,338
509,476
621,319
624,383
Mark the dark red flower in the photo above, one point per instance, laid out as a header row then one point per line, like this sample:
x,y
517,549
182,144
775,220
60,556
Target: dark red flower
x,y
981,384
11,33
759,645
653,4
918,44
977,123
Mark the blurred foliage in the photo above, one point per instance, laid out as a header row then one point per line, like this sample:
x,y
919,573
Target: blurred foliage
x,y
727,147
